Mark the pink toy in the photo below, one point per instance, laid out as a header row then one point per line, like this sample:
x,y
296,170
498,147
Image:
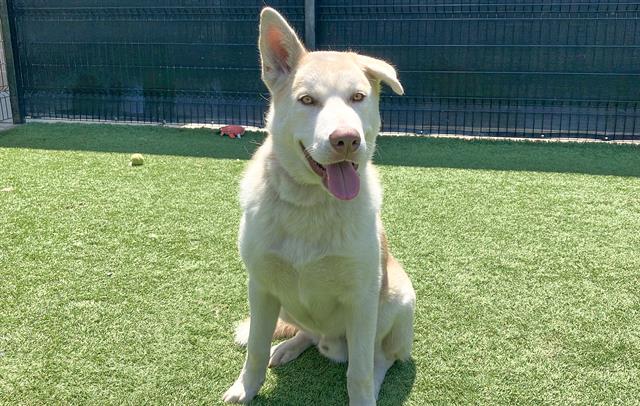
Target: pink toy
x,y
233,131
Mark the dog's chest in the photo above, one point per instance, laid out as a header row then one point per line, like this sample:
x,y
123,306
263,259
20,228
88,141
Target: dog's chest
x,y
313,259
312,294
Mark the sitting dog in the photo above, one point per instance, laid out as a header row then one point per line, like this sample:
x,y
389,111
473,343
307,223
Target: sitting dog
x,y
310,235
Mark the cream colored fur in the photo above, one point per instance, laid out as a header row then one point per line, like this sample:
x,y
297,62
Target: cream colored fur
x,y
318,266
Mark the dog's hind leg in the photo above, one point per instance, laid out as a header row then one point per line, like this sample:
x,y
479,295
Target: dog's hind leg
x,y
290,349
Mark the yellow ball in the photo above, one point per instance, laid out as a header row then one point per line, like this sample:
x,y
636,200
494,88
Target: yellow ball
x,y
137,160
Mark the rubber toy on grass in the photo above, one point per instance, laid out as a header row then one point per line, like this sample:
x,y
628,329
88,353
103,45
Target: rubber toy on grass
x,y
232,131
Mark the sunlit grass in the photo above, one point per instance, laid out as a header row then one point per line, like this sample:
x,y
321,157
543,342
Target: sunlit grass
x,y
121,285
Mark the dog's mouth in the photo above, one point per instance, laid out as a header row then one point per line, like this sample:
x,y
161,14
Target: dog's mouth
x,y
340,178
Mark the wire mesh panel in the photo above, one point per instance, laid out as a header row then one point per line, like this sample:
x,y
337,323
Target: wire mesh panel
x,y
144,60
567,68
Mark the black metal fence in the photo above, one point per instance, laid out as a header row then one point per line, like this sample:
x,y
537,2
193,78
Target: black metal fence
x,y
524,68
559,68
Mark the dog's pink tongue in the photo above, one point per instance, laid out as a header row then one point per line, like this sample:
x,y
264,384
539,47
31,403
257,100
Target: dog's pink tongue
x,y
343,180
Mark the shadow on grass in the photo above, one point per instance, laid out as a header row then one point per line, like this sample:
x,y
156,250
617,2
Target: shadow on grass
x,y
573,157
154,140
587,158
314,380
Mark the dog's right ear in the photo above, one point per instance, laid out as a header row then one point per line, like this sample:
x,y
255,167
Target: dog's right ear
x,y
280,48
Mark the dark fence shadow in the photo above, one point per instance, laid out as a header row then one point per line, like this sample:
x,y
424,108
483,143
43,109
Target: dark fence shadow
x,y
156,140
570,157
314,380
574,157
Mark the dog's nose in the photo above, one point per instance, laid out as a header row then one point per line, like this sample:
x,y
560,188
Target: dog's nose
x,y
345,140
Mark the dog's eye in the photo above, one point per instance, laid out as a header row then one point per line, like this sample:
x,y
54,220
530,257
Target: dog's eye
x,y
357,97
307,100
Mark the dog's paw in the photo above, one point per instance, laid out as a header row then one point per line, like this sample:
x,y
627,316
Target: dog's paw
x,y
283,353
239,393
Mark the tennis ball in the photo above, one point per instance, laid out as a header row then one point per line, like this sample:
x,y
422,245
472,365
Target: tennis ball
x,y
137,160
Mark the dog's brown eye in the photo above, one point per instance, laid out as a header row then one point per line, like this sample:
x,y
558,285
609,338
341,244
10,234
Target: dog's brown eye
x,y
307,100
358,96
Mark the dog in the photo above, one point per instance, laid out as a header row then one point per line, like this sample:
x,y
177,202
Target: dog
x,y
310,236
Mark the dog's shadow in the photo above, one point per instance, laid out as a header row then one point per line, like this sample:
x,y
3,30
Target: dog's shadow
x,y
312,379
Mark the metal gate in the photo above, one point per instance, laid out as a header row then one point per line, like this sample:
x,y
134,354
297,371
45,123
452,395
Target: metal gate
x,y
561,68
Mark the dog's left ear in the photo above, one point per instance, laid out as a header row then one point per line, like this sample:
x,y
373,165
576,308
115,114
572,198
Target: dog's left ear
x,y
382,71
280,48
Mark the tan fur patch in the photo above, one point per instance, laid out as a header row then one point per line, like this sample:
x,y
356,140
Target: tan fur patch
x,y
284,330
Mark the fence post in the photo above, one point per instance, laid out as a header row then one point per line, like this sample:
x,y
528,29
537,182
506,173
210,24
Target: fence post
x,y
310,24
10,55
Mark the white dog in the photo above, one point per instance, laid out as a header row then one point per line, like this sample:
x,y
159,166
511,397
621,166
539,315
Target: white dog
x,y
310,236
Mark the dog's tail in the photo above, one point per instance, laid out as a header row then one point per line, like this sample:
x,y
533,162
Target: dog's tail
x,y
283,330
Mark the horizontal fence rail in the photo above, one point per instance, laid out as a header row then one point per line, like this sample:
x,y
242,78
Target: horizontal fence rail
x,y
494,68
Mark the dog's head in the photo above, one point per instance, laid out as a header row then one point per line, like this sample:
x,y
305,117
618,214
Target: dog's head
x,y
324,115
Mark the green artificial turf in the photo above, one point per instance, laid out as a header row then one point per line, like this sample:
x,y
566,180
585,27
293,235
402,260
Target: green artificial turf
x,y
121,285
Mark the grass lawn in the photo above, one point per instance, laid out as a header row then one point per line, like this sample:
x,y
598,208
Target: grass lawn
x,y
122,285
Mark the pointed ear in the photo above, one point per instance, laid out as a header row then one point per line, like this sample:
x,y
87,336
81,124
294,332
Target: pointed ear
x,y
280,48
381,71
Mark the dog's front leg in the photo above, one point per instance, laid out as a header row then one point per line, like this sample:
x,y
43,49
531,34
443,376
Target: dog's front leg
x,y
361,333
264,309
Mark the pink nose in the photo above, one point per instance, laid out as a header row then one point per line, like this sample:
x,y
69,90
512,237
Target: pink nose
x,y
345,140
